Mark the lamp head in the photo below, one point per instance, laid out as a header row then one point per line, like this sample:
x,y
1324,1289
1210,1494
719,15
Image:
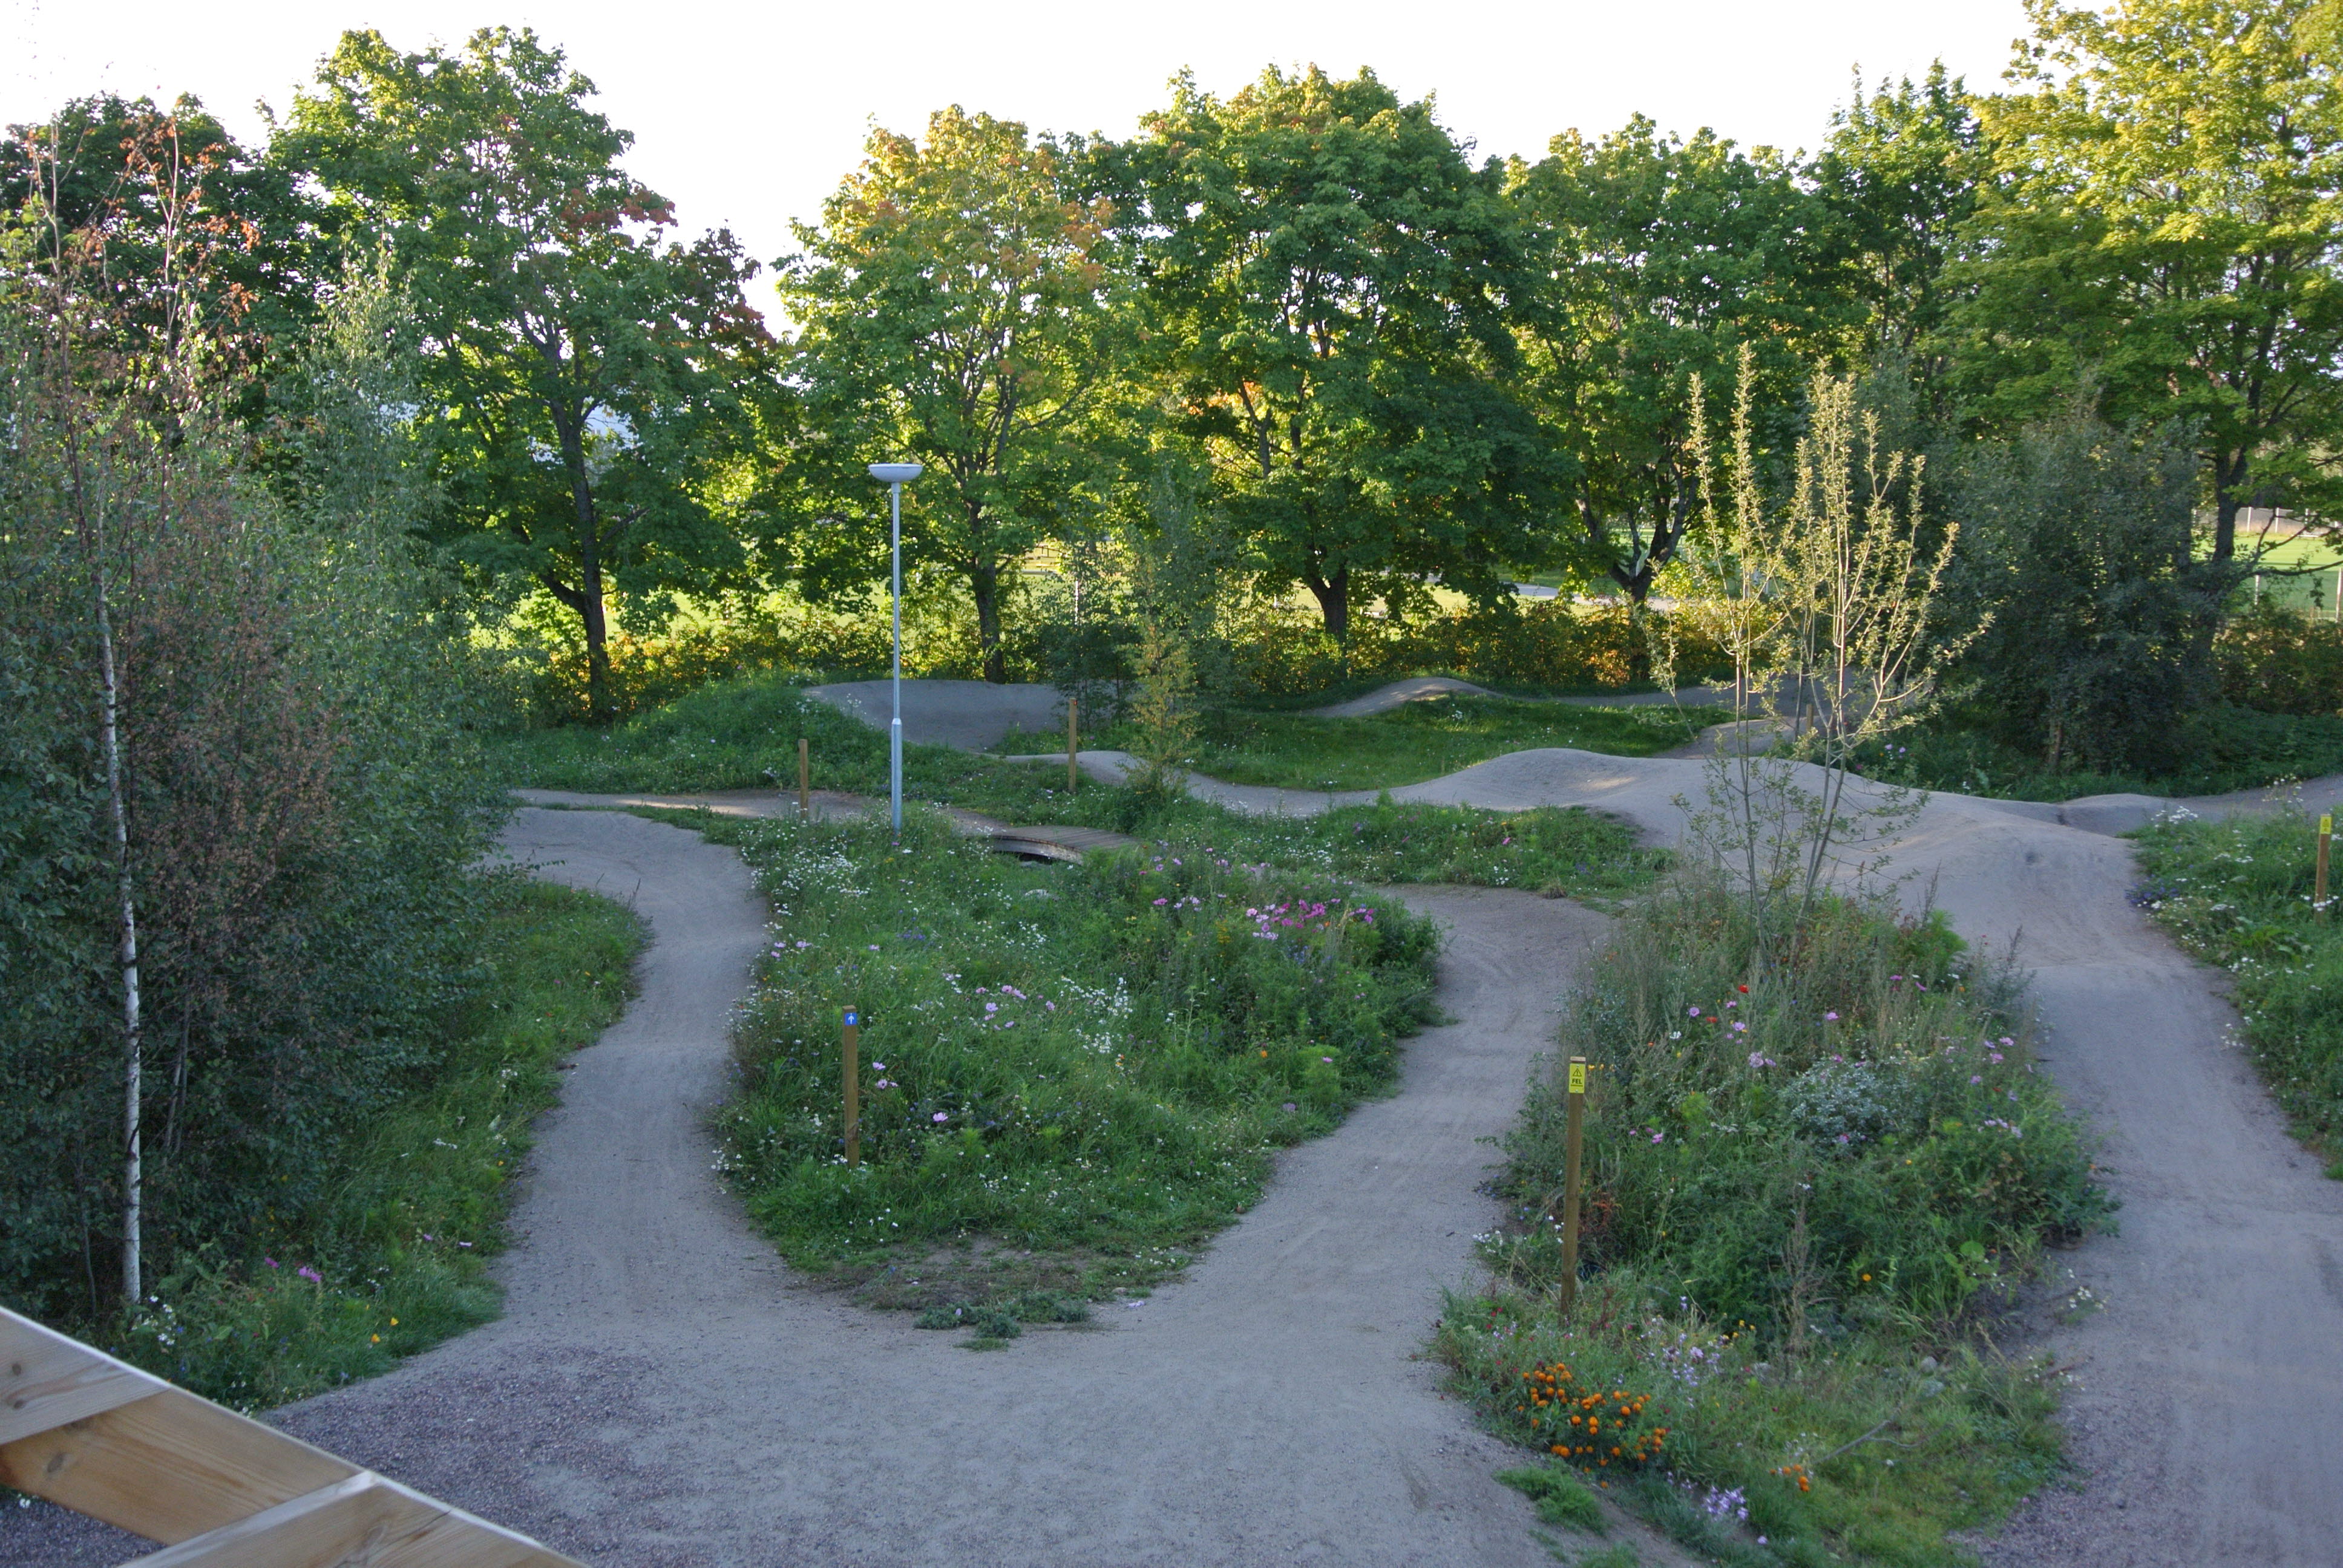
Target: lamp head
x,y
896,473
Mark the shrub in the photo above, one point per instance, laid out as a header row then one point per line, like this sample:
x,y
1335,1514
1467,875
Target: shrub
x,y
2280,661
2080,542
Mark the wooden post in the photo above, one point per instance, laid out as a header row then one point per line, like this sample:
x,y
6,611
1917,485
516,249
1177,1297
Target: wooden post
x,y
1573,1125
1074,745
853,1032
2318,887
805,780
2339,596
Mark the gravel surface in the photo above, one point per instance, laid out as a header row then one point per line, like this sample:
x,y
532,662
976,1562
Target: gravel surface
x,y
2206,1400
972,715
661,1392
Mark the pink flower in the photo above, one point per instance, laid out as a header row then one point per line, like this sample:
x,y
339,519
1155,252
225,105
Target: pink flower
x,y
1974,1079
940,1116
1659,1137
306,1272
1830,1018
272,1263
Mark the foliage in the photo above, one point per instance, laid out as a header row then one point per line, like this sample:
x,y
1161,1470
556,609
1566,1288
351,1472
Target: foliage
x,y
1806,1179
955,311
1325,278
2161,234
389,1256
1424,739
2101,615
1829,595
1089,1063
201,238
592,388
2237,893
301,800
2281,662
1662,259
1857,1139
1897,1445
2210,752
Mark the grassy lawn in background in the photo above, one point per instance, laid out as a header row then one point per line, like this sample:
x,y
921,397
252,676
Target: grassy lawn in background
x,y
1422,740
1810,1185
2222,748
2238,894
394,1259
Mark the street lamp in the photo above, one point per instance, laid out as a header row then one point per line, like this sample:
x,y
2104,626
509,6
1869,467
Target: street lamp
x,y
895,475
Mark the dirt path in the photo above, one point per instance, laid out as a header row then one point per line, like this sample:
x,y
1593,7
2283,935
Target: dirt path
x,y
2207,1402
661,1391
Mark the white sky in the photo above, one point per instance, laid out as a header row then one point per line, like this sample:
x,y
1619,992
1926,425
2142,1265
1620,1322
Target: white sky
x,y
746,115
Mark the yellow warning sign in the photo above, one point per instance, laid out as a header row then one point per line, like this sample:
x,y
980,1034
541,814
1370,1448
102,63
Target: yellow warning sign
x,y
2327,826
1578,1078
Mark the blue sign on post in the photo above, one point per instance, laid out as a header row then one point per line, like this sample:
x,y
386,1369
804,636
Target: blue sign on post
x,y
852,1017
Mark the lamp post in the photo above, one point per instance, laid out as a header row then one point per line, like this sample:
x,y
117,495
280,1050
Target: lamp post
x,y
895,475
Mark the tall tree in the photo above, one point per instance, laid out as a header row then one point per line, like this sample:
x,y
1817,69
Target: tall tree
x,y
954,310
1899,174
1658,258
1329,283
2163,230
594,382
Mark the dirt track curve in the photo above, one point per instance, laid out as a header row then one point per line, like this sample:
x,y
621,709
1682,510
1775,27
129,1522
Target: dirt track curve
x,y
659,1391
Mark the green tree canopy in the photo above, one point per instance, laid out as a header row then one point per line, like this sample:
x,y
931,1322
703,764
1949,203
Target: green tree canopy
x,y
953,310
1657,259
2162,231
595,385
188,236
1328,285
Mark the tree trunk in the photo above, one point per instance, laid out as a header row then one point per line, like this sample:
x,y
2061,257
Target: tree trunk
x,y
985,586
599,697
134,1193
1333,595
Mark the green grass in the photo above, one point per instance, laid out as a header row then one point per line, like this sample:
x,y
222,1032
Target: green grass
x,y
2238,894
1086,1068
742,734
1423,739
1796,1231
393,1260
2215,751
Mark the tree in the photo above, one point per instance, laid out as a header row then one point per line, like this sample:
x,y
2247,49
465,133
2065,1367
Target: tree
x,y
2162,230
2079,546
954,310
1658,258
595,385
1329,286
185,235
1899,177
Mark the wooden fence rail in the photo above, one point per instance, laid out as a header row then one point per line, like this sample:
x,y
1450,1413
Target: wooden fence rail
x,y
100,1437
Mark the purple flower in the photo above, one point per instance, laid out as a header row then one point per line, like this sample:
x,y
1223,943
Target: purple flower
x,y
1328,1060
878,1067
1161,902
992,1007
1974,1079
1692,1012
1741,1029
1289,1108
272,1263
306,1272
940,1116
1842,1138
1830,1018
1659,1137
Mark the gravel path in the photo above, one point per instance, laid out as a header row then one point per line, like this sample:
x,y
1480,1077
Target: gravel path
x,y
661,1392
2206,1401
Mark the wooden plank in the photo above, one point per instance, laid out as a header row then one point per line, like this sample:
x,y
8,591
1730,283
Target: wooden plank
x,y
47,1380
364,1520
168,1467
